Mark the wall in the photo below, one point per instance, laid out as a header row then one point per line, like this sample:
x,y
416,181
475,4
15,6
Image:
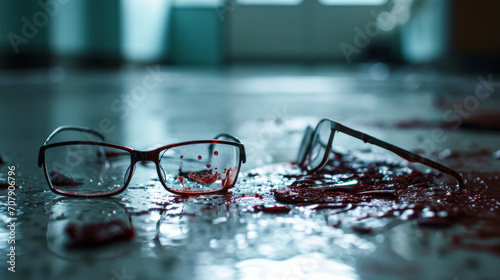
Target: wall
x,y
310,31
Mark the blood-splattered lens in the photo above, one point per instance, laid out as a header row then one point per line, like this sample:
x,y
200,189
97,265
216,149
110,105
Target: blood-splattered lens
x,y
86,169
199,168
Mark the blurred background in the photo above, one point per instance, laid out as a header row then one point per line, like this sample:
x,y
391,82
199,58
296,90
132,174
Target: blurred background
x,y
456,34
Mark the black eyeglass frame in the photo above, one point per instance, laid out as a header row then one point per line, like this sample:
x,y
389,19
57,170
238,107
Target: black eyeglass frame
x,y
135,156
308,140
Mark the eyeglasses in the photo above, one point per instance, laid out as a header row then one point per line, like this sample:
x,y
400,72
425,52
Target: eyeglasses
x,y
90,168
316,145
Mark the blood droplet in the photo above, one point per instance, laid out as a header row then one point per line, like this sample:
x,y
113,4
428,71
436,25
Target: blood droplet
x,y
216,153
180,169
199,157
180,179
208,165
182,156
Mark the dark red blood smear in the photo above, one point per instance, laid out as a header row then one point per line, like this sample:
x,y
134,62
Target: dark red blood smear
x,y
271,209
216,153
362,230
182,156
482,121
226,182
399,189
199,157
97,234
479,121
180,179
415,123
208,165
205,177
59,179
180,169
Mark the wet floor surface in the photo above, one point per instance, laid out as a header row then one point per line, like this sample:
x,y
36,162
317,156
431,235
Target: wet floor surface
x,y
247,233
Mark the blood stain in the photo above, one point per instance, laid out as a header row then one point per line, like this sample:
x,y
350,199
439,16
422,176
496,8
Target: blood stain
x,y
362,230
180,179
205,177
59,179
97,234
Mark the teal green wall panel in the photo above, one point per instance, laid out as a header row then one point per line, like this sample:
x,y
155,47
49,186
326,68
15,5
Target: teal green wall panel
x,y
196,36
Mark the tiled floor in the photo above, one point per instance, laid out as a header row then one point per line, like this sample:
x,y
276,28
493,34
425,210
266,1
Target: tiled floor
x,y
267,108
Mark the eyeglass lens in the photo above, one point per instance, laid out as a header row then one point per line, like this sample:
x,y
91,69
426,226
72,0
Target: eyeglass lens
x,y
319,144
86,168
199,168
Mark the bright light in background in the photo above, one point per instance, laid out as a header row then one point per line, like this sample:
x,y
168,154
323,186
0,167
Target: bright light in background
x,y
354,2
145,25
398,14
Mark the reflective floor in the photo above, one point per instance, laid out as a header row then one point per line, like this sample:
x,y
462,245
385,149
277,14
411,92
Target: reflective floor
x,y
211,237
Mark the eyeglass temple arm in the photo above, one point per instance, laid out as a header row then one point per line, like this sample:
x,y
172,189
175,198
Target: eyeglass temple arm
x,y
73,127
235,139
411,157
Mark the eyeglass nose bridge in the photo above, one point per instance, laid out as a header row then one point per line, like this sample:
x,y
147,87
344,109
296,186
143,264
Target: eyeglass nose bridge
x,y
144,156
